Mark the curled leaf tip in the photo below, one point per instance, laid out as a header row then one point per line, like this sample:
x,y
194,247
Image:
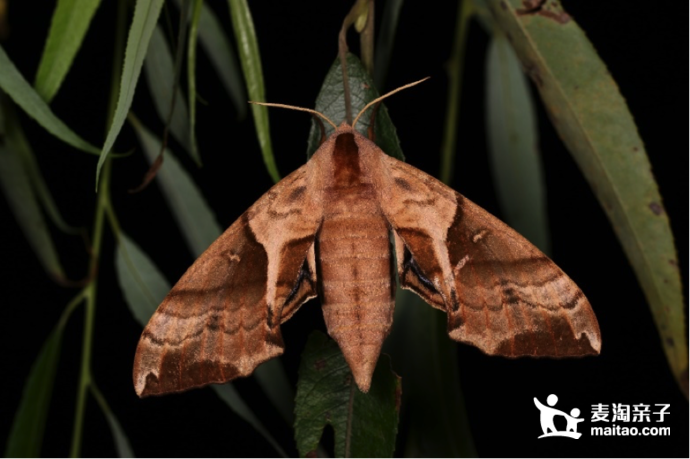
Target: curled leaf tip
x,y
150,174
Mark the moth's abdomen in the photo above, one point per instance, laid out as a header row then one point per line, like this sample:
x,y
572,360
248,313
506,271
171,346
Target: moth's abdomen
x,y
356,282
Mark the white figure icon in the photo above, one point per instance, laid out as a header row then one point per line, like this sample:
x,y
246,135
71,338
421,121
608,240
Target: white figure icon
x,y
547,413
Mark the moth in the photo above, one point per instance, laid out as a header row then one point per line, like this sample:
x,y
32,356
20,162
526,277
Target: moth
x,y
339,228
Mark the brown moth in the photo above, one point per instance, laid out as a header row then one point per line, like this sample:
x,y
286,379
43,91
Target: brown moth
x,y
324,231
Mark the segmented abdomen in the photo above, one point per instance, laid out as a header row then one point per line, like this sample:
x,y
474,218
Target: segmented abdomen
x,y
354,269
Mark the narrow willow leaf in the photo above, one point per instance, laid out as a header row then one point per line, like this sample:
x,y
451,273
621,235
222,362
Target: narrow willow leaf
x,y
386,40
513,144
142,284
250,59
21,92
26,436
593,120
144,288
223,58
160,75
365,425
455,69
482,13
191,68
331,102
146,14
219,50
274,382
124,449
15,183
229,395
68,27
190,209
200,229
21,144
427,361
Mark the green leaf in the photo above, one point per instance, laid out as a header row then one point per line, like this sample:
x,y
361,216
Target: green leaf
x,y
273,380
142,284
250,59
190,209
40,187
386,40
146,14
365,425
144,288
331,102
513,144
160,75
230,396
592,118
26,436
191,67
21,92
223,58
455,69
68,27
219,50
426,358
483,15
15,183
199,226
124,449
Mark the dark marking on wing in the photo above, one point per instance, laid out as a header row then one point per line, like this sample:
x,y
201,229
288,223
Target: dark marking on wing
x,y
282,215
304,275
296,194
454,303
296,243
409,263
402,183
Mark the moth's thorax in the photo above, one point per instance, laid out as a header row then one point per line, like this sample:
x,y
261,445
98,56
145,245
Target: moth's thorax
x,y
354,267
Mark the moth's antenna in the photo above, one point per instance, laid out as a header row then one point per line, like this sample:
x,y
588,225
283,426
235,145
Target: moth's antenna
x,y
301,109
379,99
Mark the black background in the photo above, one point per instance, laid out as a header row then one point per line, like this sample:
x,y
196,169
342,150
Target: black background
x,y
644,49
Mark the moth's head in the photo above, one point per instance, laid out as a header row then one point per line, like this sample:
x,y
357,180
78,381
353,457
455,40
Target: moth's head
x,y
341,141
343,128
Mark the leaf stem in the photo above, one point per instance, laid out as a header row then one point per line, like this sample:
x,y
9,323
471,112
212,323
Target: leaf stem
x,y
90,312
114,223
360,7
366,40
191,74
96,393
85,374
454,67
69,309
89,293
181,38
102,203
